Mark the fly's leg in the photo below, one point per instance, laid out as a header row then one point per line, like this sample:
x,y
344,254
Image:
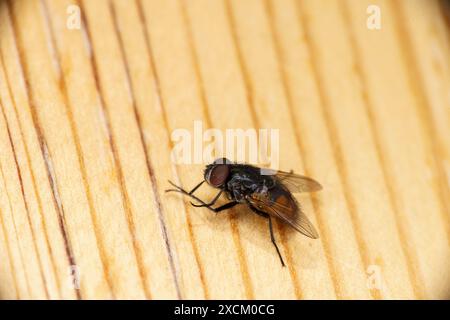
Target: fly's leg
x,y
196,187
216,210
179,189
257,211
190,194
224,207
274,242
272,237
209,204
204,204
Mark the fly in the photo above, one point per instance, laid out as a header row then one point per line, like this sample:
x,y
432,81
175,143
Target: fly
x,y
267,195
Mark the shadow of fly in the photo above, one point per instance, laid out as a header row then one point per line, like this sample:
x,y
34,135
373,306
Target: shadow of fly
x,y
267,195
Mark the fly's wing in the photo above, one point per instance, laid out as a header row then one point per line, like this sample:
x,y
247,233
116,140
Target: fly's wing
x,y
297,183
279,203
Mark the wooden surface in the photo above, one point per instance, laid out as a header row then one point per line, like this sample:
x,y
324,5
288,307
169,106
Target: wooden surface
x,y
85,147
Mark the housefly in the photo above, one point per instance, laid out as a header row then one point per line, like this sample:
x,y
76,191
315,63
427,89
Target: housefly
x,y
268,195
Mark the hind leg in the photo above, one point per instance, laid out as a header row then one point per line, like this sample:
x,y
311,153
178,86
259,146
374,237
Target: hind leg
x,y
272,237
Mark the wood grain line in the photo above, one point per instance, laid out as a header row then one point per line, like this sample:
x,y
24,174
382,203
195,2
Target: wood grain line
x,y
413,271
15,229
59,208
166,125
445,10
337,151
231,218
124,193
33,180
417,85
249,96
19,175
149,164
8,249
64,92
6,240
42,143
269,12
287,92
147,159
132,228
246,78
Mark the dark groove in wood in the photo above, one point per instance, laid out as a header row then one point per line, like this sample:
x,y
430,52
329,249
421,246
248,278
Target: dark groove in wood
x,y
444,6
251,107
166,124
7,244
19,175
337,150
150,168
33,180
15,231
42,142
277,48
205,105
68,107
300,144
8,249
195,63
143,274
249,91
125,197
411,263
145,150
149,164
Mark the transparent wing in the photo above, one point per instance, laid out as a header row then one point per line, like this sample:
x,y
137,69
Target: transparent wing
x,y
297,183
288,211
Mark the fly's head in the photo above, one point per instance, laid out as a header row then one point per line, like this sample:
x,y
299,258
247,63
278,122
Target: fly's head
x,y
217,173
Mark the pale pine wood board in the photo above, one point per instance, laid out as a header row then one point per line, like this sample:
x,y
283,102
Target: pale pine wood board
x,y
85,140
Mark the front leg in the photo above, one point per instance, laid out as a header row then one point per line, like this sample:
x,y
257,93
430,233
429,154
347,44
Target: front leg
x,y
223,207
189,194
211,203
196,187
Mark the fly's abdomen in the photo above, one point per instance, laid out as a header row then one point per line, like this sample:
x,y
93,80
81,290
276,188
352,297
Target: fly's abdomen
x,y
282,199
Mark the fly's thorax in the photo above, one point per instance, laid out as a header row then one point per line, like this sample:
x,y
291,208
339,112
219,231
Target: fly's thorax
x,y
240,186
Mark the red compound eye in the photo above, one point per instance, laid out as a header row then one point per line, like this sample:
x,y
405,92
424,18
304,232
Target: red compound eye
x,y
218,175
